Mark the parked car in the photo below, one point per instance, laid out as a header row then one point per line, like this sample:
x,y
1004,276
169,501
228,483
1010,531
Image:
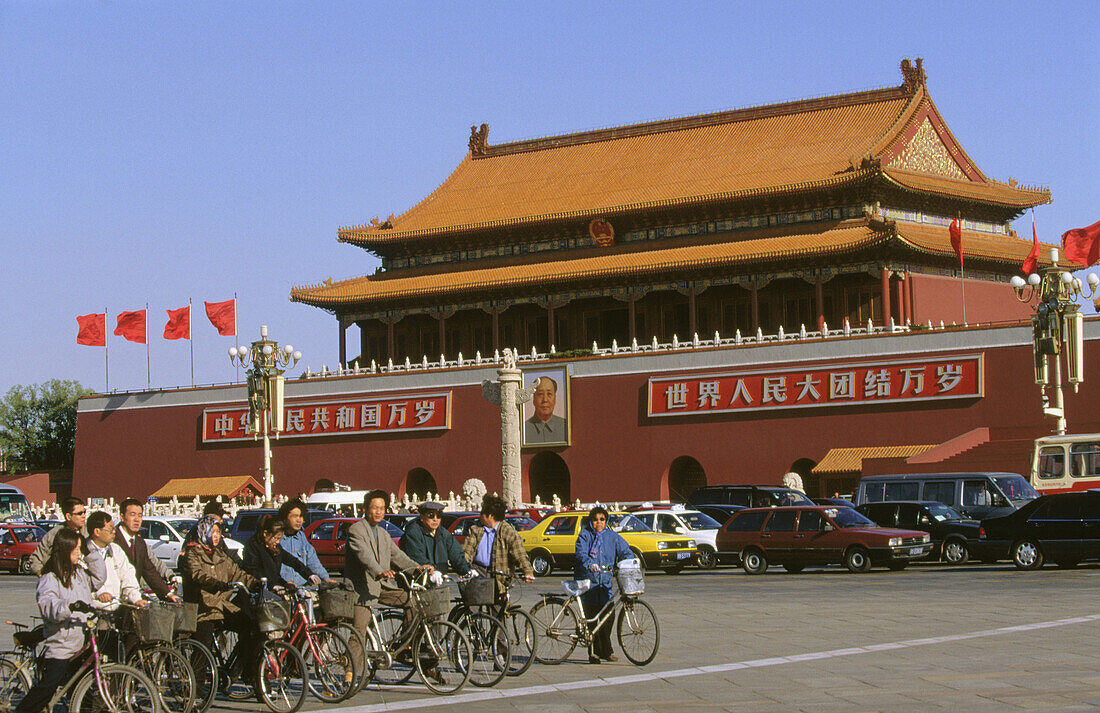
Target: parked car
x,y
678,520
18,542
721,513
801,536
835,502
532,512
165,537
459,523
330,537
748,496
47,525
951,534
400,519
974,495
1062,528
245,523
552,542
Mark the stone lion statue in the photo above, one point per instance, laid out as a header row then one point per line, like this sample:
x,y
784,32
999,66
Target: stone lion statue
x,y
473,490
794,482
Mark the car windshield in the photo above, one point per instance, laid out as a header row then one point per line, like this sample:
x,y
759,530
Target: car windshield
x,y
941,512
183,526
13,506
28,534
1015,487
789,497
699,521
847,517
520,523
622,522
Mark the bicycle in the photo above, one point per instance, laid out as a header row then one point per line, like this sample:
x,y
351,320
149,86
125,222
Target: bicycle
x,y
333,673
491,647
433,648
94,686
154,654
518,624
559,628
337,609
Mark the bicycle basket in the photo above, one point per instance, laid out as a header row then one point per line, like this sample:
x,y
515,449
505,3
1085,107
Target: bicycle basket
x,y
479,591
436,602
338,603
273,615
154,622
630,581
187,618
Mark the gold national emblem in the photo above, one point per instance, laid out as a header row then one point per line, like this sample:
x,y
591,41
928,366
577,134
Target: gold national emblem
x,y
602,232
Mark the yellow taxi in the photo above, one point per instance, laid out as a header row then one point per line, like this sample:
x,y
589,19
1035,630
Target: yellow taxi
x,y
551,543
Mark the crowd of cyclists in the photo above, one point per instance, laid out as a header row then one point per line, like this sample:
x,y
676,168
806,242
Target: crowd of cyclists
x,y
91,564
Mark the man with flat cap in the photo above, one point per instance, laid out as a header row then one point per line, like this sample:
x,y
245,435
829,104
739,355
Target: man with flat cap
x,y
425,542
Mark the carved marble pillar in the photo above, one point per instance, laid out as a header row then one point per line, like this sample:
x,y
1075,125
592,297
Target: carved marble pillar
x,y
508,392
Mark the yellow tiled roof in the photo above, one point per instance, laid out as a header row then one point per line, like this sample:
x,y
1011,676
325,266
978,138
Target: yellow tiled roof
x,y
850,460
229,486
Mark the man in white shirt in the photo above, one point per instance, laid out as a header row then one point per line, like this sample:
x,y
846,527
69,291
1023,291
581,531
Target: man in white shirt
x,y
121,581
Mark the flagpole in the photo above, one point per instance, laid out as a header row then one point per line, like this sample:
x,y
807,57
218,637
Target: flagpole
x,y
962,269
148,369
106,359
236,335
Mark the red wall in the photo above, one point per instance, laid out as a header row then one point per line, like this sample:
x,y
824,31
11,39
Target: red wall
x,y
618,453
941,298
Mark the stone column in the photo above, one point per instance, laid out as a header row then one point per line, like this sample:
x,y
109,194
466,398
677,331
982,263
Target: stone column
x,y
509,393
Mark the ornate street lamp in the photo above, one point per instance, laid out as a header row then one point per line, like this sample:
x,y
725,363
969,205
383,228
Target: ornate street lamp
x,y
265,392
1057,321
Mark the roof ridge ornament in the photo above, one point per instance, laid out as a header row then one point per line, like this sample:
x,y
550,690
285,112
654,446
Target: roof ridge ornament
x,y
913,75
479,139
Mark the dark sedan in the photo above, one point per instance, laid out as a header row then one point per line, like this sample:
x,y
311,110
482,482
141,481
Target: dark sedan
x,y
1062,528
952,535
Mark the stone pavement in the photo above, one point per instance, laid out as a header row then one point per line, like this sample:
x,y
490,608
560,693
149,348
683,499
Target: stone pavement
x,y
929,638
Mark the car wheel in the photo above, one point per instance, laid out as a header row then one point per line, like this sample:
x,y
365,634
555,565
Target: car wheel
x,y
754,562
25,564
955,551
707,558
794,568
856,559
541,563
1027,555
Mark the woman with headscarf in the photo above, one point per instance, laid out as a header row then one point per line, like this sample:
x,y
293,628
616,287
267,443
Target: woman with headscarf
x,y
210,574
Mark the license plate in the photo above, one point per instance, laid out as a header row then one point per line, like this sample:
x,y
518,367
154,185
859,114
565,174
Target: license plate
x,y
916,550
682,555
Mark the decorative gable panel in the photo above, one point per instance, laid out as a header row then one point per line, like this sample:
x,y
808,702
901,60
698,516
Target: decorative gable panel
x,y
926,152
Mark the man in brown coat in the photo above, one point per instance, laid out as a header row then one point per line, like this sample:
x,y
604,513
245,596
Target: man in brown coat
x,y
494,545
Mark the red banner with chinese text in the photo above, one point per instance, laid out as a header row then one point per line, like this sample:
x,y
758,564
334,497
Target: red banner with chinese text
x,y
957,377
419,412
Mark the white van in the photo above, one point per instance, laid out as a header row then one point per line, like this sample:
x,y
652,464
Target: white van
x,y
345,503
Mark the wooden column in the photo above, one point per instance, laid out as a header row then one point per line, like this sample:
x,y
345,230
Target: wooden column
x,y
496,328
909,296
364,343
442,335
630,317
390,342
549,325
343,342
887,312
755,309
901,299
691,314
819,302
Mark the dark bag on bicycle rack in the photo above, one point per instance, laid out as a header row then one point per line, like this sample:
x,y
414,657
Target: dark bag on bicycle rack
x,y
437,602
478,592
338,603
154,622
187,618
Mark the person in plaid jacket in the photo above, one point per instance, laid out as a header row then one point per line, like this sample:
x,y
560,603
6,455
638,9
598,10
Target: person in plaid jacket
x,y
495,545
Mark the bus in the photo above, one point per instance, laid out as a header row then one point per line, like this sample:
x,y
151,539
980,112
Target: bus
x,y
345,503
14,505
1060,464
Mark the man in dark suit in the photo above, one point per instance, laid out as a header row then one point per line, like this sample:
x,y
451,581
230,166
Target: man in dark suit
x,y
149,568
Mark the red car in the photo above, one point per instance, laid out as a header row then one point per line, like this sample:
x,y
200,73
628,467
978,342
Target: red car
x,y
17,543
459,522
801,536
330,537
534,513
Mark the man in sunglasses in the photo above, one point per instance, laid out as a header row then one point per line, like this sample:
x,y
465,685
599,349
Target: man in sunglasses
x,y
425,542
76,513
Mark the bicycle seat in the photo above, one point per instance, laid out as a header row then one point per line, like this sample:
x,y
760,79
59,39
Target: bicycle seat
x,y
30,638
575,588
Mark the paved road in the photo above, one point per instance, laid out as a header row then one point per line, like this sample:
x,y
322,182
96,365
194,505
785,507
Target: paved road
x,y
968,638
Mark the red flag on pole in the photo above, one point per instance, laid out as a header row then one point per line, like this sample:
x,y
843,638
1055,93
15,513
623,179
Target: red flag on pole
x,y
131,326
179,323
1032,257
957,240
223,315
1082,245
92,329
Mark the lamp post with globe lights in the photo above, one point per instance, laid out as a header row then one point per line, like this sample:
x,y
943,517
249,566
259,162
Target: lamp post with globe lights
x,y
1058,322
265,392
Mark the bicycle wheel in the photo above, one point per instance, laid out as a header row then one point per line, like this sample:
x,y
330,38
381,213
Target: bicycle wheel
x,y
14,684
170,672
281,678
230,683
332,670
491,649
359,651
557,630
119,689
443,656
205,668
638,631
401,667
520,628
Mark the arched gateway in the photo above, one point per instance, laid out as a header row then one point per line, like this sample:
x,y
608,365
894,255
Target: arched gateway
x,y
420,482
684,475
548,475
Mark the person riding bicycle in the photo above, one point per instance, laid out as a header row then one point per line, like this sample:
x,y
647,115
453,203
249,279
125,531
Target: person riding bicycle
x,y
264,558
209,583
68,577
121,584
147,565
292,516
495,546
598,548
428,543
76,514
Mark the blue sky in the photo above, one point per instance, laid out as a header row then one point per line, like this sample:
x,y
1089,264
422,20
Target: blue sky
x,y
155,152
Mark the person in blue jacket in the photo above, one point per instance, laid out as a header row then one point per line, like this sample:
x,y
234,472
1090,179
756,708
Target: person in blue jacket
x,y
292,515
598,547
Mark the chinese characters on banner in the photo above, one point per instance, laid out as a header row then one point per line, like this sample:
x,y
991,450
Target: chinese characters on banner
x,y
956,377
420,412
